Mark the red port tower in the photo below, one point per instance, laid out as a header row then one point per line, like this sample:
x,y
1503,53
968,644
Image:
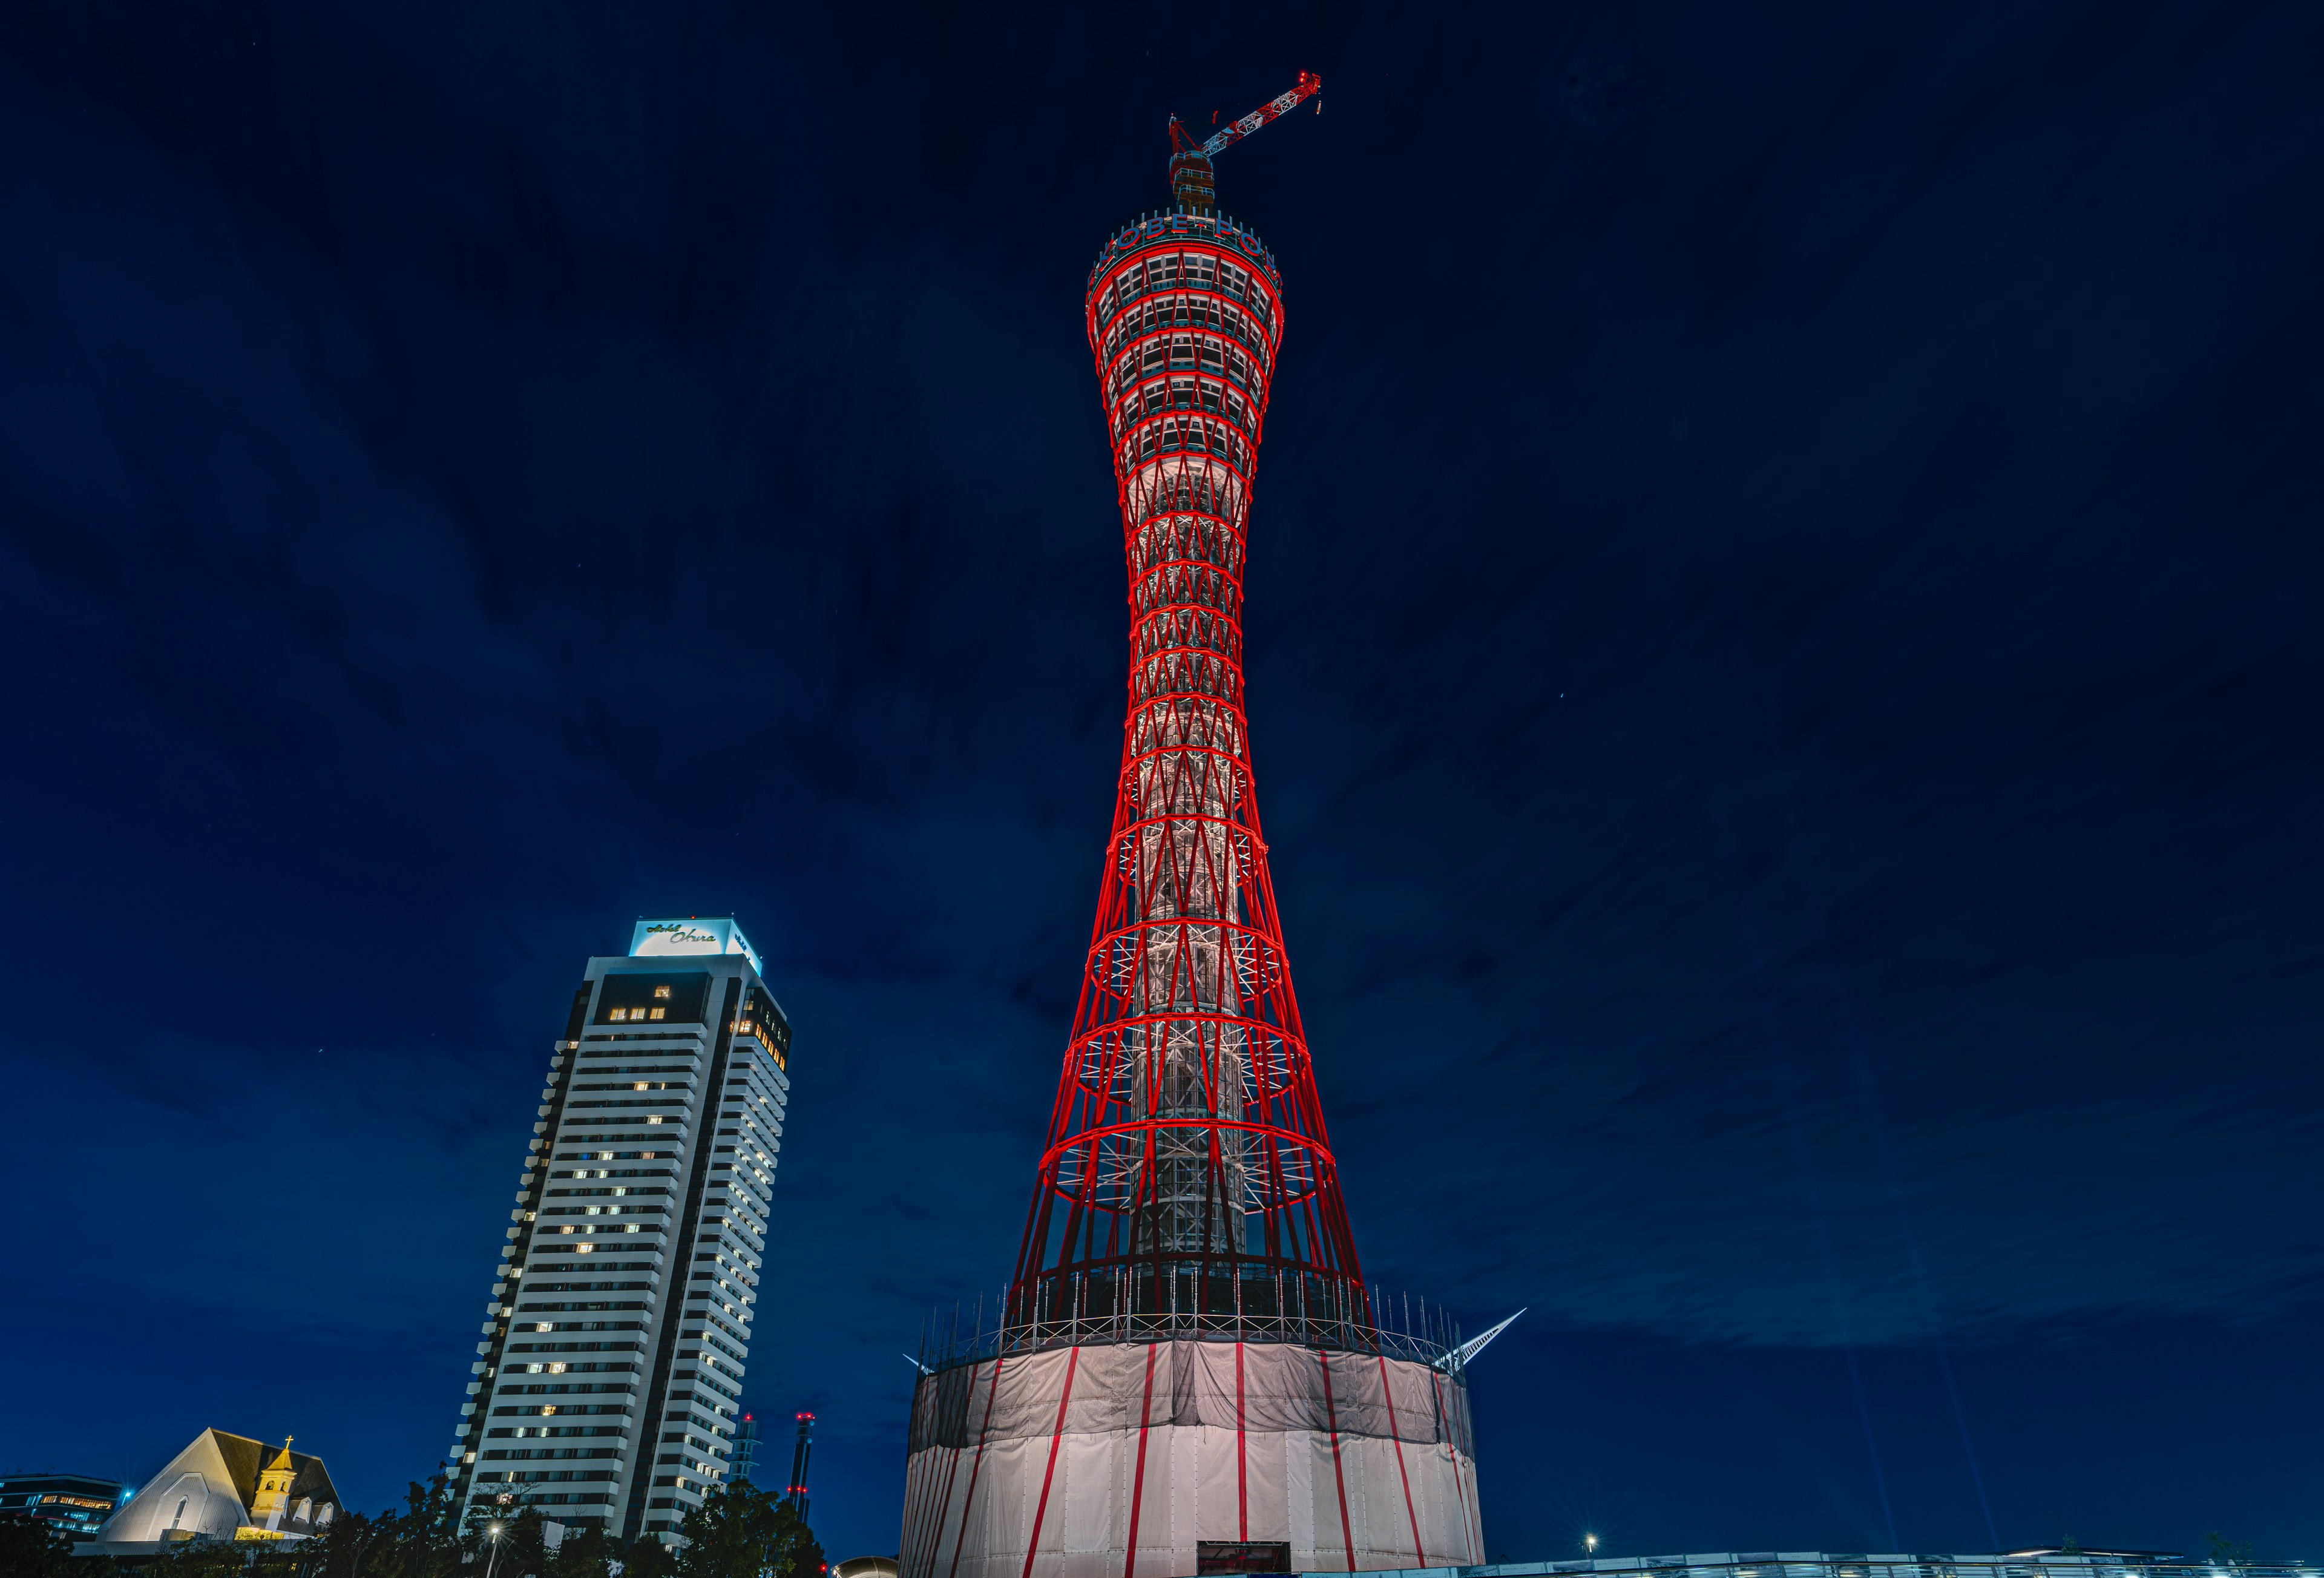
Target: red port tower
x,y
1188,1172
1186,1372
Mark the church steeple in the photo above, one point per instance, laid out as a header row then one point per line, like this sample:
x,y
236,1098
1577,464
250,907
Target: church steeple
x,y
274,1496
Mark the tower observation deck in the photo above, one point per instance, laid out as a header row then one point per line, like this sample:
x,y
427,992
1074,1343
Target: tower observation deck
x,y
1187,1371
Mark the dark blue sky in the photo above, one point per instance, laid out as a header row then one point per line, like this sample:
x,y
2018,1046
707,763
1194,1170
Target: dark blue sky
x,y
1784,661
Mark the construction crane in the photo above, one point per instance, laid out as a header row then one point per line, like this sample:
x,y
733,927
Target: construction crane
x,y
1193,185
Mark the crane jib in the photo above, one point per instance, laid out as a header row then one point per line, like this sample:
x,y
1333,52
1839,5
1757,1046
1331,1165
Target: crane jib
x,y
1308,86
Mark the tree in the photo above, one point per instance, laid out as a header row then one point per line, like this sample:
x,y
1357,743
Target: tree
x,y
2228,1552
524,1546
743,1532
202,1558
648,1557
35,1549
339,1550
583,1554
422,1541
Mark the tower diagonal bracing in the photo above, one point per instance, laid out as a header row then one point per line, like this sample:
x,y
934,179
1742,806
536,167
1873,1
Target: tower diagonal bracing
x,y
1187,1374
1188,1170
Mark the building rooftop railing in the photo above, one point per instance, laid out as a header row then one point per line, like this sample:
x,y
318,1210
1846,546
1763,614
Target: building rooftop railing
x,y
1168,221
971,1337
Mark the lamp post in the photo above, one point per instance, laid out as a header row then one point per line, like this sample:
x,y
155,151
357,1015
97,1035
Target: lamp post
x,y
494,1531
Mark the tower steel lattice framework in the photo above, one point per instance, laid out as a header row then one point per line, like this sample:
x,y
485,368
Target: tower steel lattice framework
x,y
1188,1180
1188,1373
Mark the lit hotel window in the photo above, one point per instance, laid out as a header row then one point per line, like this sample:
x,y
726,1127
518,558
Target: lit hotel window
x,y
658,1012
619,1014
661,994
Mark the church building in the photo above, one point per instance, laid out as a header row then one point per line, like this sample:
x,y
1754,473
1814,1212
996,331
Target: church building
x,y
223,1487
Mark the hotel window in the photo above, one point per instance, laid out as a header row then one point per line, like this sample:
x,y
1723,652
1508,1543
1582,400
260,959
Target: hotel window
x,y
658,1013
661,994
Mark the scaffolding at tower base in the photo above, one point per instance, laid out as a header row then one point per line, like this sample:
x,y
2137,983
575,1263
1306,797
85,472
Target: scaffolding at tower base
x,y
1359,1320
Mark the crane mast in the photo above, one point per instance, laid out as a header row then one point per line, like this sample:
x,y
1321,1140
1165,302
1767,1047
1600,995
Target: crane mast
x,y
1192,183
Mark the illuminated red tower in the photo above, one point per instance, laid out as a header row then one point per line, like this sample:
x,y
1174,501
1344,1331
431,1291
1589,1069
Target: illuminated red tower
x,y
1186,1372
1187,1171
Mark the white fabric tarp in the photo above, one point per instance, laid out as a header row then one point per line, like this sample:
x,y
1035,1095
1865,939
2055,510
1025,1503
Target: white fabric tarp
x,y
1040,1465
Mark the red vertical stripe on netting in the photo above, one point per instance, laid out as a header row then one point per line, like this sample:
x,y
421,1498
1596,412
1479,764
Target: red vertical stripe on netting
x,y
1389,1391
1056,1439
1242,1474
1332,1419
1138,1480
1460,1492
969,1499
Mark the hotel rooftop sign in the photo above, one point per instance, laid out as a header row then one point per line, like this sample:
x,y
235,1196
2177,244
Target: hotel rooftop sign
x,y
692,933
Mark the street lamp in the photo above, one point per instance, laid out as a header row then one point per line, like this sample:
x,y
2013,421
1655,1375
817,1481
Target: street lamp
x,y
1589,1547
494,1531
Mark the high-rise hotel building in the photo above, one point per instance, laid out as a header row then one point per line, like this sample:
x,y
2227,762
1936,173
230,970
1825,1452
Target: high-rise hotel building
x,y
608,1383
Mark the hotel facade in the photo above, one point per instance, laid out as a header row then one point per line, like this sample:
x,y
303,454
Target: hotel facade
x,y
606,1388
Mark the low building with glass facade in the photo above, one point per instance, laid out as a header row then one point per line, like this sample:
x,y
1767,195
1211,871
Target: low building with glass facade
x,y
76,1504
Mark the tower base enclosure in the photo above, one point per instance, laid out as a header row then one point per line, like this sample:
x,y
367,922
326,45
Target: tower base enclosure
x,y
1125,1460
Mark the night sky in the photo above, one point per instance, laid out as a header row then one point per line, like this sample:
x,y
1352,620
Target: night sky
x,y
1784,669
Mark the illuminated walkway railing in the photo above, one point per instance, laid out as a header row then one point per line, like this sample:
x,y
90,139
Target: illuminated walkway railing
x,y
2044,1564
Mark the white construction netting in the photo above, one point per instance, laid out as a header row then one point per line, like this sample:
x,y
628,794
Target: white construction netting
x,y
1040,1465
